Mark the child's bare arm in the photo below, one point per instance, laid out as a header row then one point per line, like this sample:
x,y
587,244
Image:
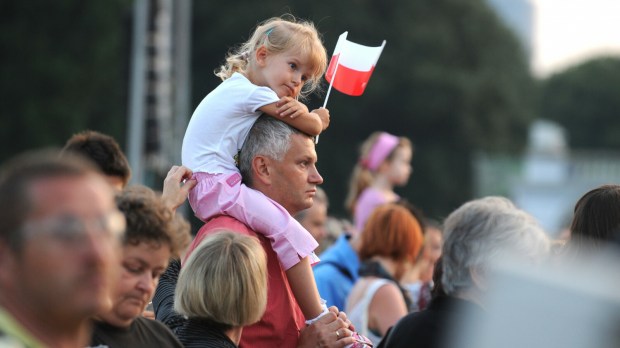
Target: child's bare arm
x,y
304,288
323,115
295,114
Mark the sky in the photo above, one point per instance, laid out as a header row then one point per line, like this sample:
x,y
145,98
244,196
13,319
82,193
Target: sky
x,y
567,32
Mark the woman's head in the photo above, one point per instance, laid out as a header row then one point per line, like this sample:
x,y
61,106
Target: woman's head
x,y
381,154
148,244
392,232
224,280
596,218
479,233
281,36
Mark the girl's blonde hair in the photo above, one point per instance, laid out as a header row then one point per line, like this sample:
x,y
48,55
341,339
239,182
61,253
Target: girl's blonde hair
x,y
362,177
278,35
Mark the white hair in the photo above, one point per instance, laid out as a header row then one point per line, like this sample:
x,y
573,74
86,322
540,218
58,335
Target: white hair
x,y
482,230
268,137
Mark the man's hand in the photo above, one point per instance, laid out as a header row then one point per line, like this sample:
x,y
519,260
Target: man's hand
x,y
177,185
333,330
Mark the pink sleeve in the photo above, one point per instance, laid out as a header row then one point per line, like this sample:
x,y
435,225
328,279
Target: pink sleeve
x,y
366,204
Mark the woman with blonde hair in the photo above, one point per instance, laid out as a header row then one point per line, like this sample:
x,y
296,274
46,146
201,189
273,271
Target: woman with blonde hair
x,y
221,288
390,242
385,162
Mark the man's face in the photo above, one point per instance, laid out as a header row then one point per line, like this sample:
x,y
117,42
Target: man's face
x,y
294,179
71,247
315,219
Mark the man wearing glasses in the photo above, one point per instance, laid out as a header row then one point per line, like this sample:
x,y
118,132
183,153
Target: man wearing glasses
x,y
59,250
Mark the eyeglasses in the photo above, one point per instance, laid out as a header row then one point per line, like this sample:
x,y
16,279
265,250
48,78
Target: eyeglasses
x,y
71,229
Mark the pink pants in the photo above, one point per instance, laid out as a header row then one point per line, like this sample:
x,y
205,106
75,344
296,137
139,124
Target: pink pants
x,y
224,194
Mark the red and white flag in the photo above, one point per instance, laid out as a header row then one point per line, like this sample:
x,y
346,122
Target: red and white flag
x,y
352,64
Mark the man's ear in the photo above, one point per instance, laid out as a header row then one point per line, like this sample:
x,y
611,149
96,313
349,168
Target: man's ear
x,y
262,170
261,56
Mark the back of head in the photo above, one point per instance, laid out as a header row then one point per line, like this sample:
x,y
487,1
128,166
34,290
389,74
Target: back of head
x,y
16,177
279,35
148,218
267,137
392,232
103,150
481,231
224,280
377,148
596,219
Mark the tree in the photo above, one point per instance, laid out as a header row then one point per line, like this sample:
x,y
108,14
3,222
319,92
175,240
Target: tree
x,y
64,69
451,77
585,100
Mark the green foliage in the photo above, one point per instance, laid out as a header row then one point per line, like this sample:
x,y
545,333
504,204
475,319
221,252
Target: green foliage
x,y
585,99
64,69
451,77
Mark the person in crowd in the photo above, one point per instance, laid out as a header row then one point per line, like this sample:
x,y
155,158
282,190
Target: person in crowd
x,y
59,249
283,60
390,242
105,152
596,220
477,235
280,161
314,219
385,162
148,245
221,288
418,281
338,270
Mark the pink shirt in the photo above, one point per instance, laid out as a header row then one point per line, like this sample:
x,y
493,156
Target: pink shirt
x,y
283,320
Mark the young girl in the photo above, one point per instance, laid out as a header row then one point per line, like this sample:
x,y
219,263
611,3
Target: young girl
x,y
385,162
282,61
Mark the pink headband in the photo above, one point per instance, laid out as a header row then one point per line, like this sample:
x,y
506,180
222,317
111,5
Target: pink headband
x,y
379,151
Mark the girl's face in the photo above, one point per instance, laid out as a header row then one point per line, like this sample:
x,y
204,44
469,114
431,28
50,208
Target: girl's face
x,y
285,73
399,167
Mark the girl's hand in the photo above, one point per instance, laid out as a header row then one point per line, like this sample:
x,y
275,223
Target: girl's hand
x,y
323,115
289,107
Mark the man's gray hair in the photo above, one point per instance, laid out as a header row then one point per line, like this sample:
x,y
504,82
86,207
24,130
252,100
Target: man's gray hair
x,y
268,137
481,231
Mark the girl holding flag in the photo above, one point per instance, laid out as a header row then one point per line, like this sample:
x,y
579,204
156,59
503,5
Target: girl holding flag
x,y
282,60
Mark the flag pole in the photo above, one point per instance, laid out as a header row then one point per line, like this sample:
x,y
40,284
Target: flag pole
x,y
329,89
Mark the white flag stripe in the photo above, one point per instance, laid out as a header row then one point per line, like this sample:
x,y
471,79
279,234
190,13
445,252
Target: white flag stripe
x,y
356,56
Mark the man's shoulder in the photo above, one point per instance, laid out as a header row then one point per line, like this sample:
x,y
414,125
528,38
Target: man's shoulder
x,y
225,222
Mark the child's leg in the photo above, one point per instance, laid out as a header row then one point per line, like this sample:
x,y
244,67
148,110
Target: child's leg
x,y
224,194
304,288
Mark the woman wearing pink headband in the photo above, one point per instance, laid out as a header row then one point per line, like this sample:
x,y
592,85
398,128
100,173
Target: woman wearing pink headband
x,y
385,162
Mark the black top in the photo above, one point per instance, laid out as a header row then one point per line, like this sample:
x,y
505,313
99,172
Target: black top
x,y
202,333
142,332
429,327
192,332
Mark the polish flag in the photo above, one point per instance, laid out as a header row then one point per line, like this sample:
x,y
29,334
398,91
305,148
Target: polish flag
x,y
352,64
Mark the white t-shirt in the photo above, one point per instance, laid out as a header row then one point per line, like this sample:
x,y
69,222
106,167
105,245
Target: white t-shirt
x,y
220,124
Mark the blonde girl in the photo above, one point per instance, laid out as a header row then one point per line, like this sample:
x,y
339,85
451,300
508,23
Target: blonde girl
x,y
284,59
385,162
